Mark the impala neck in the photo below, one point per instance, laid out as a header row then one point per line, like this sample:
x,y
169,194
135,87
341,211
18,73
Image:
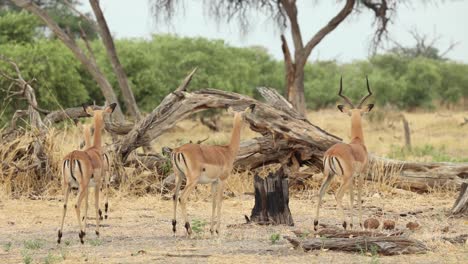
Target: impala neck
x,y
97,132
356,128
87,136
235,137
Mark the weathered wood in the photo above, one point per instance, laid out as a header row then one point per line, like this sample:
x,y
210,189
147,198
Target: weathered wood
x,y
340,233
461,204
272,200
394,245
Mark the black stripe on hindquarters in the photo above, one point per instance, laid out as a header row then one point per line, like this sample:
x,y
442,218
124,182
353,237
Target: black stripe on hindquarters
x,y
79,167
331,165
339,164
70,163
177,164
183,158
107,160
64,164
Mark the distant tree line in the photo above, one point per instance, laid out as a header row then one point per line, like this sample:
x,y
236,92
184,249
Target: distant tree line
x,y
401,77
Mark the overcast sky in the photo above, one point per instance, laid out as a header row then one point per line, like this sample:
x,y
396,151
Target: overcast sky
x,y
350,41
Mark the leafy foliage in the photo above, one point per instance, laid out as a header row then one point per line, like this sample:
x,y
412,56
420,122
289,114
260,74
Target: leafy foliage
x,y
157,65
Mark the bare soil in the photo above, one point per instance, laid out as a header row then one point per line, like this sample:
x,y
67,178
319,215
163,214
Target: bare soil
x,y
139,231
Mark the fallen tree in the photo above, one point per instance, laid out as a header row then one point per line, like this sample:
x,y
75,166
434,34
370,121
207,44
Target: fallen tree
x,y
284,133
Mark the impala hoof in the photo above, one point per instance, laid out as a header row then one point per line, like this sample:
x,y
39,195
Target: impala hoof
x,y
82,235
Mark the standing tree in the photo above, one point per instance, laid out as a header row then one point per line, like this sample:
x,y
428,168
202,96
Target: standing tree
x,y
285,12
88,61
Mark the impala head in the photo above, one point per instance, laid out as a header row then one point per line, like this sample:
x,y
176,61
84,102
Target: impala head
x,y
240,115
98,113
349,108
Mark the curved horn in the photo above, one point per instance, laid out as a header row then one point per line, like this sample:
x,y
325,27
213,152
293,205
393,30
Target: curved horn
x,y
367,96
342,96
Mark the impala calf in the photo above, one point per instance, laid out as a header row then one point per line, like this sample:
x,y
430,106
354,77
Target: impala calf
x,y
205,164
87,132
83,169
346,160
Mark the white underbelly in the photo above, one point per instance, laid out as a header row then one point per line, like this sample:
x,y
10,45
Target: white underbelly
x,y
204,179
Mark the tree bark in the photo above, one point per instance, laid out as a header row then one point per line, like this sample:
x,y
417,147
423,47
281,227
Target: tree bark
x,y
272,200
106,37
378,245
461,204
295,70
89,64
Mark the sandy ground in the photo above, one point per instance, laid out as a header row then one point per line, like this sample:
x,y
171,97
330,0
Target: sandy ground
x,y
139,231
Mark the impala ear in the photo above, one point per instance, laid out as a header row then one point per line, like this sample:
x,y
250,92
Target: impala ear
x,y
250,109
88,109
110,109
344,109
367,109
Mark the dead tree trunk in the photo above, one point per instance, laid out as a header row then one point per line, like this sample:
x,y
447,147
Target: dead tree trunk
x,y
461,204
407,131
272,200
381,245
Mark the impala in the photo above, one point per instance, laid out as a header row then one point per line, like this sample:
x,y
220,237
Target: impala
x,y
83,169
87,132
346,160
205,164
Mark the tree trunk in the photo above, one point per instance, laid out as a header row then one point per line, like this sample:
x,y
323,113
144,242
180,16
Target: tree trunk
x,y
461,204
106,37
272,200
295,70
88,63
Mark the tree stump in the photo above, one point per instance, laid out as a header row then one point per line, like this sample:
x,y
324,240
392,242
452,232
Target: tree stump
x,y
461,204
272,200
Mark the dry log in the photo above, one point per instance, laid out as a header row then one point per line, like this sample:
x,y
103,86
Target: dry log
x,y
340,233
394,245
272,200
461,204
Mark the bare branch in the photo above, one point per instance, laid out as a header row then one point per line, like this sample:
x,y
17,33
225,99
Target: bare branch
x,y
332,24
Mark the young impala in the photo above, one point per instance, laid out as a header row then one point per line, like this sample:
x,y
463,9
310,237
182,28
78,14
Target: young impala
x,y
346,160
83,169
205,164
106,167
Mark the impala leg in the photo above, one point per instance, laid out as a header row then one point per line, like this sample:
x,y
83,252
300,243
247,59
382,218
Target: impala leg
x,y
96,206
347,181
351,203
66,190
219,198
328,177
107,174
175,198
81,195
85,217
214,196
189,187
106,194
360,181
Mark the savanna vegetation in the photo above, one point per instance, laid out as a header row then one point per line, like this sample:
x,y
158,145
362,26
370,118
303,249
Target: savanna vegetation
x,y
401,78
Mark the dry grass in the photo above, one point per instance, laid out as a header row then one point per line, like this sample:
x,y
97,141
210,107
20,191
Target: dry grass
x,y
139,228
